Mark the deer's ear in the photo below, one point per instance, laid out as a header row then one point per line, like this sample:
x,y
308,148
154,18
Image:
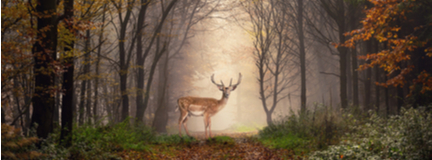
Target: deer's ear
x,y
220,88
233,88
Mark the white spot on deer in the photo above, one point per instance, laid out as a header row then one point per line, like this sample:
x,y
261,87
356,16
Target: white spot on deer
x,y
197,113
196,110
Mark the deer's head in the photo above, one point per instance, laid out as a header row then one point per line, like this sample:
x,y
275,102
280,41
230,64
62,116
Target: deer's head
x,y
226,90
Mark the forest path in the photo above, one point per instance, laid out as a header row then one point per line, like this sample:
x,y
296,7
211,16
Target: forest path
x,y
241,146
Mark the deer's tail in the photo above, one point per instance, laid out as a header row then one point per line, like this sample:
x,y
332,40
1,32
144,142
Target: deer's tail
x,y
178,106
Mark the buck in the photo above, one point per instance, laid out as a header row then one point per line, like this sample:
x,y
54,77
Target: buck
x,y
207,107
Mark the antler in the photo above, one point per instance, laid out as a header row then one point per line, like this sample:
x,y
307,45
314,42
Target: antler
x,y
239,80
212,79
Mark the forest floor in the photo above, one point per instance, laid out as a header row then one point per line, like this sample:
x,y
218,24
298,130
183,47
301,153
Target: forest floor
x,y
222,146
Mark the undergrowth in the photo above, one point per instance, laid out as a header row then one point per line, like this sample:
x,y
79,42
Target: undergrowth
x,y
305,132
405,136
16,146
89,142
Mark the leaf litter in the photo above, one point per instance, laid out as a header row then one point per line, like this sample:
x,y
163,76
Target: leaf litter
x,y
241,146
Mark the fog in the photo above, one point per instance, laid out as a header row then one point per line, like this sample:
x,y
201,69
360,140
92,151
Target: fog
x,y
136,60
221,47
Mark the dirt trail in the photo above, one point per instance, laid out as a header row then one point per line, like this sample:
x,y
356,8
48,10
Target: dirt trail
x,y
201,135
243,147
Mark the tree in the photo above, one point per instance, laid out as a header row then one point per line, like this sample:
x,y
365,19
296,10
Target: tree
x,y
158,53
270,35
302,52
68,80
401,27
44,52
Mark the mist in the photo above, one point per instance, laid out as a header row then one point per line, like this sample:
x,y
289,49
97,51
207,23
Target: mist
x,y
106,62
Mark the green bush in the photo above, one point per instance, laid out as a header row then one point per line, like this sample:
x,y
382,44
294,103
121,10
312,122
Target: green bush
x,y
96,143
405,136
305,132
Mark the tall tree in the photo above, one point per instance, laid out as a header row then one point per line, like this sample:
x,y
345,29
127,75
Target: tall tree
x,y
159,52
44,52
140,57
269,29
68,79
124,53
300,34
408,49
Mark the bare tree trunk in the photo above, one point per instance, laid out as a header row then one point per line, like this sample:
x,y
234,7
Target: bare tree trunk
x,y
353,20
342,54
81,103
158,54
88,100
124,59
302,55
349,77
140,58
355,77
386,95
96,86
377,89
87,74
161,116
367,96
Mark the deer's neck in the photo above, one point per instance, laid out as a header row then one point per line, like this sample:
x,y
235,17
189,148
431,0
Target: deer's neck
x,y
223,101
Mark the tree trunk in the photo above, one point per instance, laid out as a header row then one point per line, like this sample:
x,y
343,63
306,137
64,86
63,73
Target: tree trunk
x,y
377,89
377,77
353,20
269,118
354,67
161,116
141,110
342,54
349,77
151,74
140,60
367,83
124,61
96,86
68,83
302,55
386,98
400,96
44,52
88,101
81,104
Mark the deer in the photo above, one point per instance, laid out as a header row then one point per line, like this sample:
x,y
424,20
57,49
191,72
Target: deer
x,y
206,107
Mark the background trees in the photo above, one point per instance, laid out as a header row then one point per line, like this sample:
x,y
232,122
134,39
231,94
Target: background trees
x,y
85,62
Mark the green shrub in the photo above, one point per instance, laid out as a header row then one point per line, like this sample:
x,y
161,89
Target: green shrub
x,y
96,143
305,132
405,136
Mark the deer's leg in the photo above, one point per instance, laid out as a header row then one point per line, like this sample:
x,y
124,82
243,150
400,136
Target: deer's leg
x,y
182,120
209,125
185,125
206,124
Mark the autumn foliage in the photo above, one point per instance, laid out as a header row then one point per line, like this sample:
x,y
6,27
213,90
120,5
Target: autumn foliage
x,y
15,146
402,29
